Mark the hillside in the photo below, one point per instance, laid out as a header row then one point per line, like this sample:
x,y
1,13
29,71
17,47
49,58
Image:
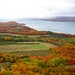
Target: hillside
x,y
16,28
60,19
64,19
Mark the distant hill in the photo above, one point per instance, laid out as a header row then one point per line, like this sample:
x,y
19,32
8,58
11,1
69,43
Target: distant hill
x,y
17,28
61,19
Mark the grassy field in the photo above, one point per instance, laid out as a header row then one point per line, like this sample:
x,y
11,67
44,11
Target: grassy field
x,y
22,47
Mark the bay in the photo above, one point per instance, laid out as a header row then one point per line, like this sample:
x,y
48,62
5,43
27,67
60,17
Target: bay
x,y
60,27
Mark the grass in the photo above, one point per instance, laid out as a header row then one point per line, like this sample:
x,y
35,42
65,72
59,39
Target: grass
x,y
22,47
27,48
32,52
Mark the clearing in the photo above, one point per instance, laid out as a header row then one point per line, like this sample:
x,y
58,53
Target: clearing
x,y
25,46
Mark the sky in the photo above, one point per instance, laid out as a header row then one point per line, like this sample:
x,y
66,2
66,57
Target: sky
x,y
16,9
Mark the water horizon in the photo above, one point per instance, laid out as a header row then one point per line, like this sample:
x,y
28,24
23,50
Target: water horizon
x,y
59,27
41,25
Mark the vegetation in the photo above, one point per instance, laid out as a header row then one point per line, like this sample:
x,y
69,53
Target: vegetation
x,y
47,53
57,63
59,60
17,28
22,47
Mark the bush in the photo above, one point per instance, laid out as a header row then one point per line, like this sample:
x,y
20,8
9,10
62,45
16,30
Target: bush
x,y
42,64
57,61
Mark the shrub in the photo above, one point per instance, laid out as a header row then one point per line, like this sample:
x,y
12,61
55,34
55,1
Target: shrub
x,y
42,64
57,61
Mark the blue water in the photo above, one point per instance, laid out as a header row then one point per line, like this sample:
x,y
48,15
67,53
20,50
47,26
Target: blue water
x,y
61,27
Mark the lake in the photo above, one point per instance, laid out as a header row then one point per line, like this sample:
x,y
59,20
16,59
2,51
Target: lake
x,y
61,27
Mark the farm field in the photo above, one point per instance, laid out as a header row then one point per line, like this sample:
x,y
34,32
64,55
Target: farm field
x,y
25,47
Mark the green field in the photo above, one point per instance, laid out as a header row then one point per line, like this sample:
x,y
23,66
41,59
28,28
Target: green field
x,y
22,47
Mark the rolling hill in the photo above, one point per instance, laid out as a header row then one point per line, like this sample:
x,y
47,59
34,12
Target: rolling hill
x,y
17,28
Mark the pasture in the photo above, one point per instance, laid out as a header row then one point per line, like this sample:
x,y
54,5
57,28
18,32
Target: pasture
x,y
24,47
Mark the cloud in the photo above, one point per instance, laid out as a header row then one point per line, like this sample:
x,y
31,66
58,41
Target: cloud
x,y
14,9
